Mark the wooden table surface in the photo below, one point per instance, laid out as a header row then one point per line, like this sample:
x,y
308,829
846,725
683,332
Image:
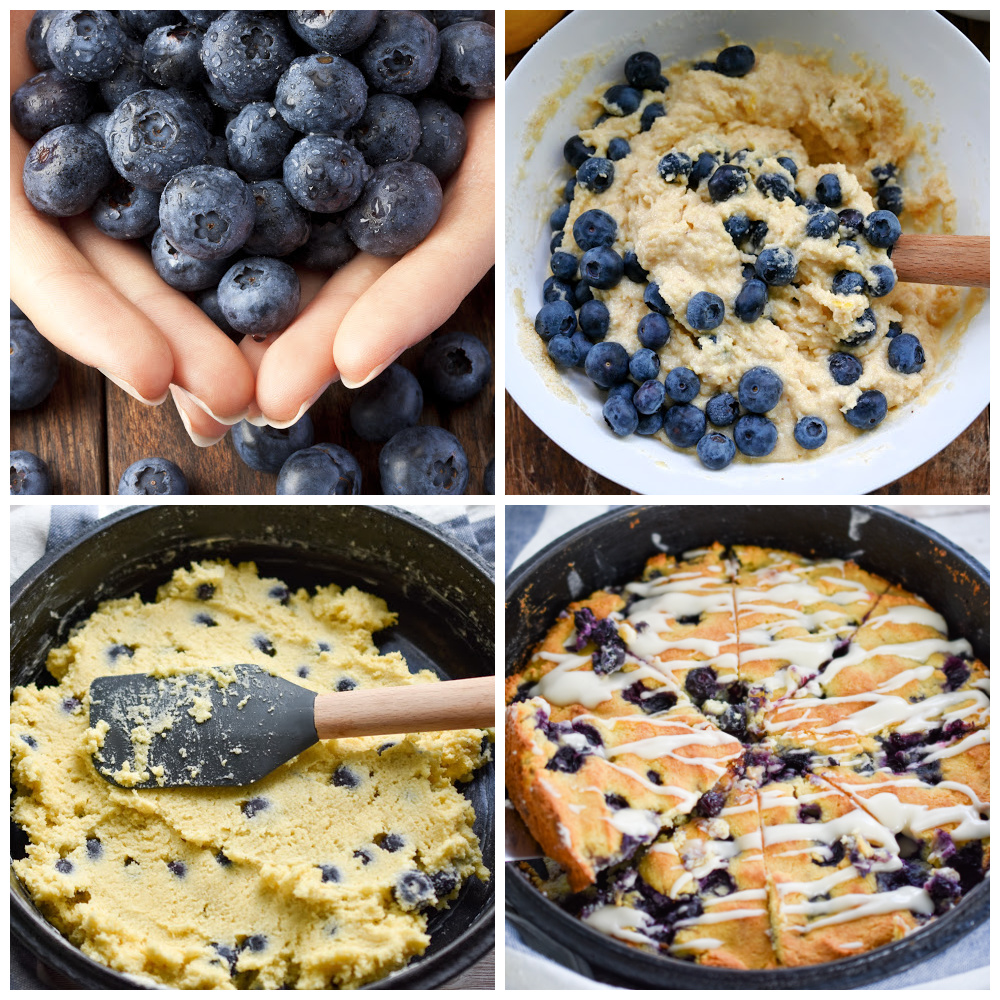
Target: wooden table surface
x,y
89,431
535,465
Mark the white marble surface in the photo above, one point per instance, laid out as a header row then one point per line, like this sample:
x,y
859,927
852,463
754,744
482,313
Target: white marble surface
x,y
967,525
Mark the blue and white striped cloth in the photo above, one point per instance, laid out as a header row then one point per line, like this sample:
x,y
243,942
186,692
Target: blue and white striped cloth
x,y
535,962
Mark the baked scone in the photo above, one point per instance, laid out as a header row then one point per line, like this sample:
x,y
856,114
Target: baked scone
x,y
824,785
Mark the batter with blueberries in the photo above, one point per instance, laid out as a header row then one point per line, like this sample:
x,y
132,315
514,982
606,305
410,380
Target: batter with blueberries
x,y
721,257
323,874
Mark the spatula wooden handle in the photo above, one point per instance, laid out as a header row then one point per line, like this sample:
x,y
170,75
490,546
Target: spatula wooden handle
x,y
415,708
943,259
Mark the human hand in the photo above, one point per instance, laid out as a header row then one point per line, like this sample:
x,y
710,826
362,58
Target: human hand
x,y
100,301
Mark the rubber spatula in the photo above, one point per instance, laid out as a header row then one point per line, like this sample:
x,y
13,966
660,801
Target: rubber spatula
x,y
193,730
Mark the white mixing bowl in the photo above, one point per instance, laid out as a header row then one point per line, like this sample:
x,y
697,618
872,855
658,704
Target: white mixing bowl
x,y
944,83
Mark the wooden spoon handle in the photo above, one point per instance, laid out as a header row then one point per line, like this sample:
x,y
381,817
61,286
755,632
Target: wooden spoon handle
x,y
942,259
413,708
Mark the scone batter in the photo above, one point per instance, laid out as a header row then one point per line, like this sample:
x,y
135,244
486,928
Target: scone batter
x,y
319,875
786,124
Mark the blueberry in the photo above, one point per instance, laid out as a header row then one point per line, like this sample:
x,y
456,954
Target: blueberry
x,y
257,141
775,185
177,868
66,170
789,164
171,55
152,477
851,221
46,101
154,134
251,807
601,267
569,189
390,842
810,432
722,410
737,60
259,295
264,645
865,327
564,351
413,889
85,44
582,293
621,415
849,283
828,190
326,174
618,149
895,329
673,166
38,28
654,331
710,804
119,650
563,265
655,301
205,591
29,475
336,31
208,212
594,319
621,100
467,61
649,115
626,390
396,210
716,450
642,70
401,56
757,234
245,53
95,850
596,174
760,389
703,167
650,424
329,873
442,137
423,460
850,243
268,448
738,227
684,424
705,311
329,246
64,866
557,317
881,229
583,346
755,435
31,741
34,365
905,354
576,152
322,93
644,365
182,271
885,280
890,199
557,220
751,300
776,266
456,367
648,398
845,368
557,240
126,212
823,225
682,385
717,883
255,943
607,364
386,405
869,411
322,470
365,857
346,684
594,228
727,181
204,619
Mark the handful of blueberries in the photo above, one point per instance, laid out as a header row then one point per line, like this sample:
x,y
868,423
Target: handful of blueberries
x,y
239,143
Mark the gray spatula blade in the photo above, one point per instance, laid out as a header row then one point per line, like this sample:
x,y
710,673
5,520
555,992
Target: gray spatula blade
x,y
249,727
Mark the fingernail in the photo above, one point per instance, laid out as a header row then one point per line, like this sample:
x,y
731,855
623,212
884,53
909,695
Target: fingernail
x,y
257,419
195,401
131,389
201,440
351,384
282,424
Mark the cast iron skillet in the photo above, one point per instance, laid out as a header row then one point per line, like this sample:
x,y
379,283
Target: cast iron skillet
x,y
612,549
444,597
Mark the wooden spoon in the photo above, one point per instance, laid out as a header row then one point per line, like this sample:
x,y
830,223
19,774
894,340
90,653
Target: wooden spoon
x,y
942,259
190,729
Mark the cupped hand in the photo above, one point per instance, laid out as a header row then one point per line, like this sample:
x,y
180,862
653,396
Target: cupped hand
x,y
100,301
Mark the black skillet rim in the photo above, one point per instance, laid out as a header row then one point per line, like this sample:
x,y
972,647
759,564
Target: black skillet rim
x,y
50,947
625,965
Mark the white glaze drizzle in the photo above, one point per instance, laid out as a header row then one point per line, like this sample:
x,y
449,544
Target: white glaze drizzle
x,y
854,906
